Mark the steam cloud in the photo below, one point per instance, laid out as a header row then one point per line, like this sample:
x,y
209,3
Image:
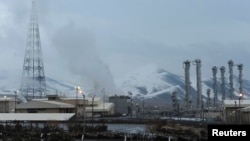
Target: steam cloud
x,y
77,47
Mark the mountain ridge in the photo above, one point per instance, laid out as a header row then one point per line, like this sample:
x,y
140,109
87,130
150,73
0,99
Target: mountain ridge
x,y
149,82
174,82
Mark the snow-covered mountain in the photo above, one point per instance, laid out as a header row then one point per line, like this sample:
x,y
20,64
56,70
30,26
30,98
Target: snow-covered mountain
x,y
150,82
154,82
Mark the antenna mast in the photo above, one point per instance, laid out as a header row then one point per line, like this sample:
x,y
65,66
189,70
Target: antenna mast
x,y
33,78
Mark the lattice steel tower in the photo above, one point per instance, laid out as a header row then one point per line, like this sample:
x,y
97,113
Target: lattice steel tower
x,y
33,79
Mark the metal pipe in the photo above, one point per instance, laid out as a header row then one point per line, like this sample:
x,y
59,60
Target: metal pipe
x,y
103,91
240,96
15,99
77,88
222,69
84,114
130,93
235,112
231,64
199,87
240,67
93,109
214,69
187,83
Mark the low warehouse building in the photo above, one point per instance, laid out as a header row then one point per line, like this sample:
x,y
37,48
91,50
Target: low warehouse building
x,y
235,111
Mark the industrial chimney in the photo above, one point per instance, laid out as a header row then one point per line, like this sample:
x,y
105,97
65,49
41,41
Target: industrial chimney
x,y
187,84
240,67
222,70
231,64
214,69
198,76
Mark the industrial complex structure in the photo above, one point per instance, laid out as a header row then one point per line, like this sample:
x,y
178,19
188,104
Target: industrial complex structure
x,y
74,114
228,109
33,88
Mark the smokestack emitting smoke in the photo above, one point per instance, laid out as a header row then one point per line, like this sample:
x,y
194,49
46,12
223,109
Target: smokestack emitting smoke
x,y
77,48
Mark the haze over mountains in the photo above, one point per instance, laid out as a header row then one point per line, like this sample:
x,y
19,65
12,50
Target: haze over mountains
x,y
150,82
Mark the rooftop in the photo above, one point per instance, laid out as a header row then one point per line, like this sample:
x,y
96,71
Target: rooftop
x,y
44,104
233,103
35,116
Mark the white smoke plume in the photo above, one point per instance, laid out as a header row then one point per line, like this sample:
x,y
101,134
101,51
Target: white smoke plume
x,y
77,47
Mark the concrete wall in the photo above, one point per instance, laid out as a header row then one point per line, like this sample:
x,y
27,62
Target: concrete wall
x,y
7,106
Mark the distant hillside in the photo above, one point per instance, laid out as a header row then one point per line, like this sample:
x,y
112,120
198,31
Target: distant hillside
x,y
150,83
155,83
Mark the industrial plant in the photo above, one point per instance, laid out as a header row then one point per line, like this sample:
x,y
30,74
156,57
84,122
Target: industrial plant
x,y
198,107
219,105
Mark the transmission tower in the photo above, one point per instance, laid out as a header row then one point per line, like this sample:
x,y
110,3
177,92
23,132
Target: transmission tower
x,y
33,79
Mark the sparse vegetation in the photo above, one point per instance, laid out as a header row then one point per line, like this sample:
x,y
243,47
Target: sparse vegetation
x,y
156,128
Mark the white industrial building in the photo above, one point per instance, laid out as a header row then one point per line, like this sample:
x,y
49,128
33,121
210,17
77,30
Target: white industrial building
x,y
54,104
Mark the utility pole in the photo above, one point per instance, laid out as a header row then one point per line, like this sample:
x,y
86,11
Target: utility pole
x,y
235,112
77,88
93,111
131,105
240,97
103,91
83,107
143,107
15,99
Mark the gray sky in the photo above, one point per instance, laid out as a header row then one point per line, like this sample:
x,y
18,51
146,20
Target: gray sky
x,y
80,37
